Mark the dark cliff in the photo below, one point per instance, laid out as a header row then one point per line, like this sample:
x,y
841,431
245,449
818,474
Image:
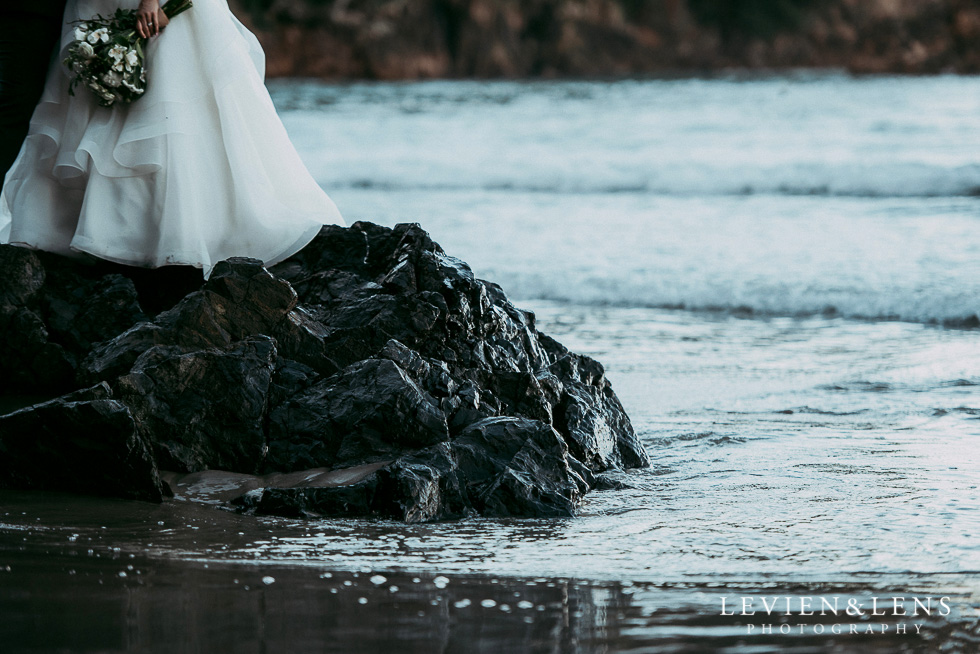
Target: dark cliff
x,y
394,39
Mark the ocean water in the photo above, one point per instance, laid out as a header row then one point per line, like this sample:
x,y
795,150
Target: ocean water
x,y
782,278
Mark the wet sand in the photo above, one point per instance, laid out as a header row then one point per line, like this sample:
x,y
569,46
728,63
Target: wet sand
x,y
92,575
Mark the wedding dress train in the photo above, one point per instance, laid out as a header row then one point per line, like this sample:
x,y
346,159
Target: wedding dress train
x,y
198,170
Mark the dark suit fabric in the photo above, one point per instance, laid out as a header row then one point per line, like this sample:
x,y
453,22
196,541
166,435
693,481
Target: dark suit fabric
x,y
28,35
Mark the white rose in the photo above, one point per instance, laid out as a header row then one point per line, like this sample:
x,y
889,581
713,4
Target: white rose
x,y
85,50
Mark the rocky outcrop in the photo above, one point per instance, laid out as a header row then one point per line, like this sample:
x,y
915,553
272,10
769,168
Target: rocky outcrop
x,y
370,374
83,443
392,39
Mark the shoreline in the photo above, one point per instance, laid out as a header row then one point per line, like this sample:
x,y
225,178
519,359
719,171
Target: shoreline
x,y
60,592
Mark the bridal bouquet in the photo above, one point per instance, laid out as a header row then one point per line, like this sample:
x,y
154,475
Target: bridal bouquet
x,y
107,55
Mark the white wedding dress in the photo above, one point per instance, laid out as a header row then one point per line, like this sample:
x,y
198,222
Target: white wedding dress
x,y
198,170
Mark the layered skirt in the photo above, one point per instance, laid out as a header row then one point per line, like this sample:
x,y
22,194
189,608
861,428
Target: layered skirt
x,y
198,170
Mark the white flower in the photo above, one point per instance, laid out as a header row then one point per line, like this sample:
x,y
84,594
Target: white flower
x,y
118,66
117,52
101,34
132,87
112,79
85,50
132,59
81,33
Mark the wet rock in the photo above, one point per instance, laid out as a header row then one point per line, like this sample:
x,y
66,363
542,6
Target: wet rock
x,y
422,487
82,443
499,467
599,434
290,378
368,411
415,488
80,312
615,480
371,347
315,493
205,409
22,274
517,467
335,249
51,314
29,361
241,299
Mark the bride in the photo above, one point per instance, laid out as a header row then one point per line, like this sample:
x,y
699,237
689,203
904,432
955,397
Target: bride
x,y
200,169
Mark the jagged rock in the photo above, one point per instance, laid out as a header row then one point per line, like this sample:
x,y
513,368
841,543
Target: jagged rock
x,y
22,274
205,409
598,430
241,299
416,488
517,467
82,443
370,347
500,467
29,361
369,411
614,480
52,311
80,312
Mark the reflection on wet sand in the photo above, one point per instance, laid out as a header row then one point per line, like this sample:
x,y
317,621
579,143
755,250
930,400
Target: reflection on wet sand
x,y
95,575
55,602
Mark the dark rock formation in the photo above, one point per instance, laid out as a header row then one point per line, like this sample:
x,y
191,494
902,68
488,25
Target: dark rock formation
x,y
392,39
370,374
204,409
83,442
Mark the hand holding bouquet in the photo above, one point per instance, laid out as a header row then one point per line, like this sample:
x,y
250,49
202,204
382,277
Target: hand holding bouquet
x,y
107,55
